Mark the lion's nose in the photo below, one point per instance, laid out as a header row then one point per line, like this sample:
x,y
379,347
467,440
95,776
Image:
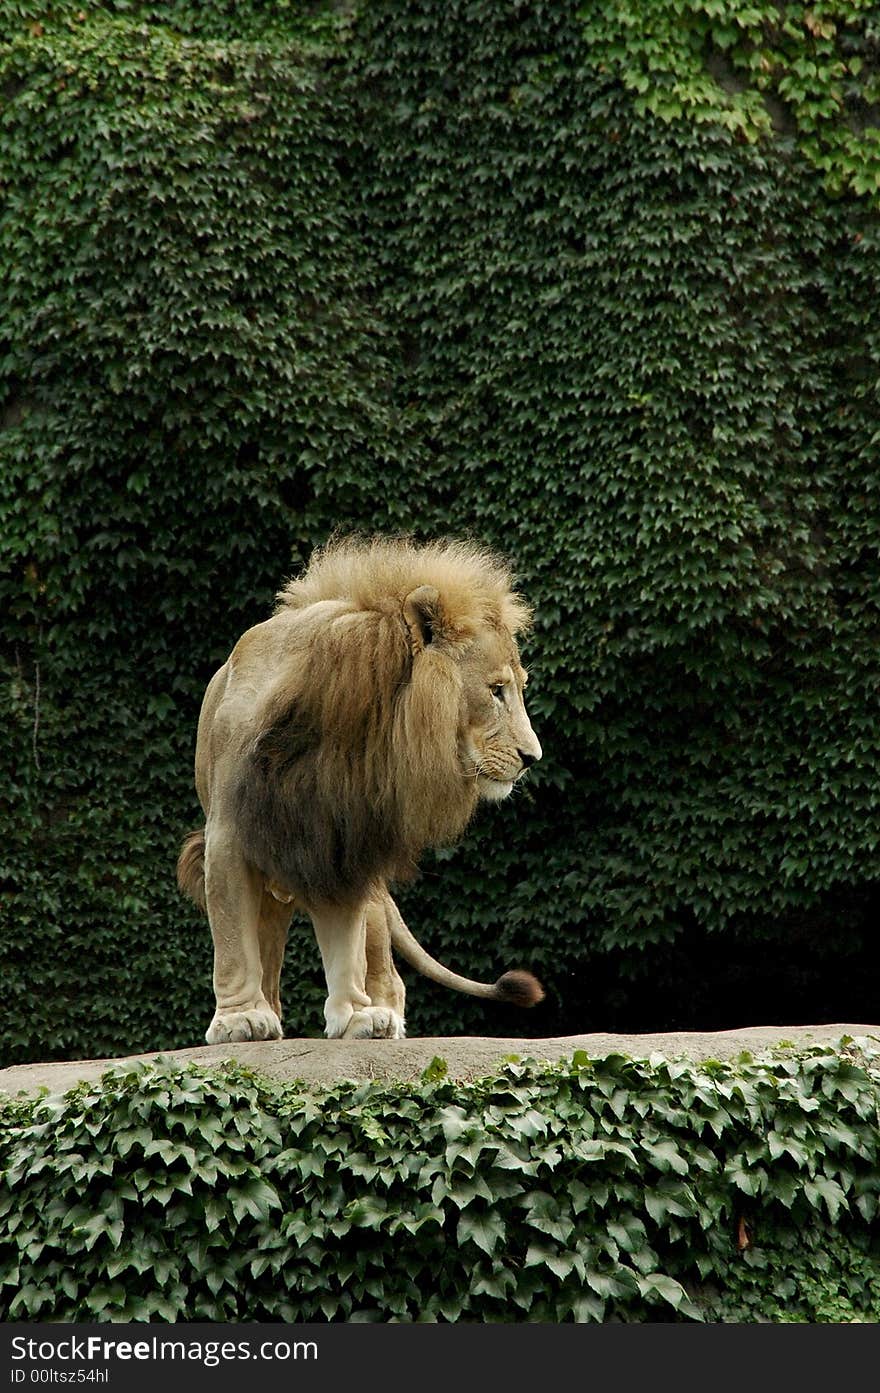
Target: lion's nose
x,y
527,759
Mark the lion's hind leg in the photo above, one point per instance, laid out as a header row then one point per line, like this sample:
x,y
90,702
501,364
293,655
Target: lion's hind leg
x,y
276,913
234,895
384,984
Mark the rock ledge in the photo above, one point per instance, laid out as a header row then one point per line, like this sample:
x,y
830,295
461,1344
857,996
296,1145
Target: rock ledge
x,y
467,1056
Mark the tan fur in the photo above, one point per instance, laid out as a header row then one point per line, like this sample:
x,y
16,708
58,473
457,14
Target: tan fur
x,y
356,727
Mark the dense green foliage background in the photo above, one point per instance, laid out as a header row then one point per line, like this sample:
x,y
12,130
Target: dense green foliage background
x,y
265,272
608,1189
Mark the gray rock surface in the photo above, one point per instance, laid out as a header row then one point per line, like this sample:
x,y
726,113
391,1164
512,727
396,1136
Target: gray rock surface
x,y
467,1057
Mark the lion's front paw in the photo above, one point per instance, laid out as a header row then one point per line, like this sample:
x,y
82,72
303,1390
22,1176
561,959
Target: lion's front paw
x,y
375,1023
227,1027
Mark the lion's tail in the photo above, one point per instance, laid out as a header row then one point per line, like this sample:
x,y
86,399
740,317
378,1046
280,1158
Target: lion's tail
x,y
191,868
515,988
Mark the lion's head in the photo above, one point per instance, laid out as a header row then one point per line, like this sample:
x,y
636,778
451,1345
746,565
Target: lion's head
x,y
393,702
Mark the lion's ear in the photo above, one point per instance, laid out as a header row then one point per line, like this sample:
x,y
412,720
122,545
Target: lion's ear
x,y
424,618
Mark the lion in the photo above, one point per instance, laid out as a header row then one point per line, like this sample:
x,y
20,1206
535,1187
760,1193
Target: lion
x,y
358,726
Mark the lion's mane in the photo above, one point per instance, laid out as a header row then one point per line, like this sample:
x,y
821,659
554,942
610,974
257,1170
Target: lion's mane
x,y
355,769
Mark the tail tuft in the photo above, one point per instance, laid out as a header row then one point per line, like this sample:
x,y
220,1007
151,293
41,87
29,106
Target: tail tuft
x,y
519,989
191,868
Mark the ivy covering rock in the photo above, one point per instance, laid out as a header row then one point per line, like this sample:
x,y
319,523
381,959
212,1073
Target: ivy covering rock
x,y
596,1189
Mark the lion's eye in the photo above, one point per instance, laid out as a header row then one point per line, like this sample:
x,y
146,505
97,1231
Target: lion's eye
x,y
498,691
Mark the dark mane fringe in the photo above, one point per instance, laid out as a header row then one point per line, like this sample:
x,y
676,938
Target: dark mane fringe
x,y
321,849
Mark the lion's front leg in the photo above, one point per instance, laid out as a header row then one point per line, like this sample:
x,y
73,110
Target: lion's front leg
x,y
234,891
348,1010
